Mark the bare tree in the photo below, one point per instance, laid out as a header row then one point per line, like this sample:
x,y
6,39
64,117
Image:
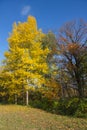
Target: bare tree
x,y
72,43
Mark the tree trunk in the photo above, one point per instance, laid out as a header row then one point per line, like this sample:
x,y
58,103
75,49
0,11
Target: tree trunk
x,y
16,99
27,98
80,89
81,95
79,84
63,95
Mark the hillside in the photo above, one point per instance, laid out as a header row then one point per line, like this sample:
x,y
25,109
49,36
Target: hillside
x,y
26,118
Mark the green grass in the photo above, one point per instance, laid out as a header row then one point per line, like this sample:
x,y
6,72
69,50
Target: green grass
x,y
15,117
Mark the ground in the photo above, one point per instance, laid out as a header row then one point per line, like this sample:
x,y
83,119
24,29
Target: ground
x,y
15,117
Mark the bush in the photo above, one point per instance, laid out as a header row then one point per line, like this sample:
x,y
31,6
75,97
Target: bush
x,y
73,107
44,104
82,109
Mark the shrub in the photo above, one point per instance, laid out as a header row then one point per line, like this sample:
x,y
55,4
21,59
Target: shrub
x,y
43,103
82,109
72,107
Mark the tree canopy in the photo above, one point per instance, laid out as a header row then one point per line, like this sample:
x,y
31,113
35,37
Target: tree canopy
x,y
46,65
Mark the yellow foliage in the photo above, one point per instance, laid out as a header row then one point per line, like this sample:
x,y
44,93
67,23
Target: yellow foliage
x,y
25,59
52,89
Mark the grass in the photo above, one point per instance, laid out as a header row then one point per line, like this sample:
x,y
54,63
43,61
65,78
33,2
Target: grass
x,y
15,117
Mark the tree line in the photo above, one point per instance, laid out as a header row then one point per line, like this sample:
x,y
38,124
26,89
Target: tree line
x,y
47,65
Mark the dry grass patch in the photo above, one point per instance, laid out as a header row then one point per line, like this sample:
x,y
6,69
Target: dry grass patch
x,y
14,117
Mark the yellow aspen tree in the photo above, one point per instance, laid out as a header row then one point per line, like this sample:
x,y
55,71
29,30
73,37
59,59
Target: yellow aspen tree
x,y
26,59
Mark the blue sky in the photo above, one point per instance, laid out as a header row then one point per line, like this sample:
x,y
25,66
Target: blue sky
x,y
50,15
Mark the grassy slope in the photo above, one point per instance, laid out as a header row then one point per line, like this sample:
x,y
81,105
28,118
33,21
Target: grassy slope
x,y
25,118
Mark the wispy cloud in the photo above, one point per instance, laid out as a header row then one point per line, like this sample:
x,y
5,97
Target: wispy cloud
x,y
25,10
